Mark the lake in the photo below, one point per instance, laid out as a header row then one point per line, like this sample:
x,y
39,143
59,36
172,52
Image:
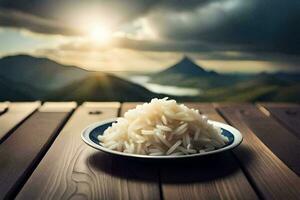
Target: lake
x,y
165,89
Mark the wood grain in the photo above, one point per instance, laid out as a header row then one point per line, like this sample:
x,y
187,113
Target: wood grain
x,y
58,106
71,169
24,148
15,114
271,177
287,114
282,142
147,172
213,177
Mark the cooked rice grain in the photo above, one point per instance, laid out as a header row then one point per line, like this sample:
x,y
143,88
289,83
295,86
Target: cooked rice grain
x,y
162,127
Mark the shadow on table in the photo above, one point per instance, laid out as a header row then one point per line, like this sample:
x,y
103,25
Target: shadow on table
x,y
201,169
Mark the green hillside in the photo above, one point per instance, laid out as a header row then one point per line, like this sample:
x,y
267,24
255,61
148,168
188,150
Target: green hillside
x,y
102,88
231,87
26,78
40,73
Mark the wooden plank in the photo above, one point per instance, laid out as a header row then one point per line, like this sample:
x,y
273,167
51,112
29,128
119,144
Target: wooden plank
x,y
15,114
3,107
282,143
211,177
147,173
272,178
71,169
25,147
287,114
58,106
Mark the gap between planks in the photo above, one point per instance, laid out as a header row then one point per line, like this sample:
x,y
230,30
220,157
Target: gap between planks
x,y
201,178
72,169
264,181
287,114
13,115
25,147
271,176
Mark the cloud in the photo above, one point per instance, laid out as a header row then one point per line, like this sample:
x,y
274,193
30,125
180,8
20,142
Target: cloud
x,y
12,18
133,44
182,5
118,59
197,51
113,59
253,27
50,16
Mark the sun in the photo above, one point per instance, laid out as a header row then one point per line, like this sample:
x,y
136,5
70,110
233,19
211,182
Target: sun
x,y
100,34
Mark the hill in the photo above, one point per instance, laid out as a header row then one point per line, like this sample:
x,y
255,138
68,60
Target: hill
x,y
280,86
9,92
186,73
24,77
102,87
186,67
41,73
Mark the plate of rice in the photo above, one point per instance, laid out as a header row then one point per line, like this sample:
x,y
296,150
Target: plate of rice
x,y
161,129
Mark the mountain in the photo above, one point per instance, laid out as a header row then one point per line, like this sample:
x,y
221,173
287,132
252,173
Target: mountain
x,y
102,87
187,73
258,88
24,77
212,86
41,73
186,67
9,92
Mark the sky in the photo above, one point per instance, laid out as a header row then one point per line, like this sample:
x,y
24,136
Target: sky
x,y
149,35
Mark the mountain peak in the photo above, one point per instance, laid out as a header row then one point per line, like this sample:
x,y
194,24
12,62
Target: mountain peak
x,y
186,66
186,59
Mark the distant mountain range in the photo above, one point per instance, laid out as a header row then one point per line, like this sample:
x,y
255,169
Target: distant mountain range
x,y
41,73
214,86
187,73
188,68
24,77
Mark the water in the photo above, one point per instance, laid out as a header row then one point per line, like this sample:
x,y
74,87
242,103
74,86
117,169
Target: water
x,y
165,89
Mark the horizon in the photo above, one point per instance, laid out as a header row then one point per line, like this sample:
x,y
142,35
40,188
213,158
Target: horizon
x,y
222,35
155,71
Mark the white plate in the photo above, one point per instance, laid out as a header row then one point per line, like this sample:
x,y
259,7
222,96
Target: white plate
x,y
89,136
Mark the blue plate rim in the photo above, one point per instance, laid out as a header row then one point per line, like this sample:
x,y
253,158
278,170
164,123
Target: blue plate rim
x,y
238,138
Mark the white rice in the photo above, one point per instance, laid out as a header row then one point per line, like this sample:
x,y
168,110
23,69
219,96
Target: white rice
x,y
162,127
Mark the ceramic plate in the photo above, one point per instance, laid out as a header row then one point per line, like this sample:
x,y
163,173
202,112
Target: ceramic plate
x,y
90,134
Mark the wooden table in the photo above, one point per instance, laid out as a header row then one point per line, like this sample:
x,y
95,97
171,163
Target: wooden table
x,y
43,157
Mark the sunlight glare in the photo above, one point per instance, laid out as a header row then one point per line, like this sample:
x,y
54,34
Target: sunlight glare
x,y
100,34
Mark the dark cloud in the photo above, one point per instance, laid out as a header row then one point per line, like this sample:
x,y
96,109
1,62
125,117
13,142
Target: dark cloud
x,y
171,46
258,26
292,60
11,18
33,7
37,14
50,8
182,5
252,25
